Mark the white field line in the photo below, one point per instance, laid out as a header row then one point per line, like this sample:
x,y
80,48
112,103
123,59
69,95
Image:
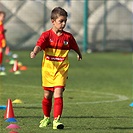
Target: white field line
x,y
117,97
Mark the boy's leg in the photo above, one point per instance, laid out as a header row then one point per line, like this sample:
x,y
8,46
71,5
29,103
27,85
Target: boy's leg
x,y
58,102
2,68
47,102
1,56
58,107
46,106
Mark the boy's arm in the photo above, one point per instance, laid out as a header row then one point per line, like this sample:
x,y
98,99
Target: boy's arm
x,y
35,51
79,56
75,47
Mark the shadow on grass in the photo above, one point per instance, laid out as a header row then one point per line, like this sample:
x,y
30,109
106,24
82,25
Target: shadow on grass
x,y
84,127
112,128
102,117
24,107
121,128
81,117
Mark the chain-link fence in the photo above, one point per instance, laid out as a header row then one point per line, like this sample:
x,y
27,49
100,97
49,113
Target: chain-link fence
x,y
109,22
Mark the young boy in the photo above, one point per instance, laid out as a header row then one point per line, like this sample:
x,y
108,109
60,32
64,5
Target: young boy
x,y
2,41
56,44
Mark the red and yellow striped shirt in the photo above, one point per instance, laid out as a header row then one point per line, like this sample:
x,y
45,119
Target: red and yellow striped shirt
x,y
55,62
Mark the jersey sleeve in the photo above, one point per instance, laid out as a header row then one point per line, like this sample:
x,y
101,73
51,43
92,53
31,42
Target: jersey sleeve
x,y
73,44
42,41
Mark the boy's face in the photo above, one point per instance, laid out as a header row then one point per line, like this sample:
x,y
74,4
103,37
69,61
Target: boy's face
x,y
2,16
59,23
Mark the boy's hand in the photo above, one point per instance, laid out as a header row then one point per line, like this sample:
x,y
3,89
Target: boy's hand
x,y
79,57
32,55
35,52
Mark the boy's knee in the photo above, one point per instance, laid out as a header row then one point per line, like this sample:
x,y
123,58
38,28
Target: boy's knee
x,y
58,92
48,94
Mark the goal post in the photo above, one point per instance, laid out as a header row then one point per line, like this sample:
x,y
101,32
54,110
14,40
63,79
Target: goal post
x,y
85,26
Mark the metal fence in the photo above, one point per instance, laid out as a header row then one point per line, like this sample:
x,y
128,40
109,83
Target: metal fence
x,y
109,22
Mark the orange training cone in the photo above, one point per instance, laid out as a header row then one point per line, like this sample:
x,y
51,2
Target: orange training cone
x,y
9,110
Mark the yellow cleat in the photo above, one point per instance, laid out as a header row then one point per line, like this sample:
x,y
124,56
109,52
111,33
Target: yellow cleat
x,y
57,124
45,122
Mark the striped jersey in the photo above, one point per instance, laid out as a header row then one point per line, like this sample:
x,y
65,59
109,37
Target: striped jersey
x,y
55,62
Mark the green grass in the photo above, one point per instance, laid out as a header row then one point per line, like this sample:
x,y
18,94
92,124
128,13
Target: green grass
x,y
96,99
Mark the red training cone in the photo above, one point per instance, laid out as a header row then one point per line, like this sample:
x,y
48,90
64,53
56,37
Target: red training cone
x,y
9,110
15,66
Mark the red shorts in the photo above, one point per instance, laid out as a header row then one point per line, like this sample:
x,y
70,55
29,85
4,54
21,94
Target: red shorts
x,y
53,88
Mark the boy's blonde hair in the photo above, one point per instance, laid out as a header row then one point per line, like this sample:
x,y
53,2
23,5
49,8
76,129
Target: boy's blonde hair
x,y
58,11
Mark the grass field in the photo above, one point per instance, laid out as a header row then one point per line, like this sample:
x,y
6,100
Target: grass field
x,y
96,99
